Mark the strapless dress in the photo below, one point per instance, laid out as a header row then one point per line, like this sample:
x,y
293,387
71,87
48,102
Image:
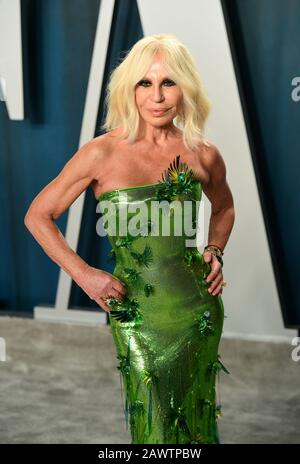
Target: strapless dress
x,y
168,326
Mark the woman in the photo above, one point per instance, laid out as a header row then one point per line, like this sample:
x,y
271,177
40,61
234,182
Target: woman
x,y
164,297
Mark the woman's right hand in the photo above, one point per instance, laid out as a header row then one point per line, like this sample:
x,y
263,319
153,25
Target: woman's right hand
x,y
99,285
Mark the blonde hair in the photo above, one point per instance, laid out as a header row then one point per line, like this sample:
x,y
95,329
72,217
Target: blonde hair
x,y
120,97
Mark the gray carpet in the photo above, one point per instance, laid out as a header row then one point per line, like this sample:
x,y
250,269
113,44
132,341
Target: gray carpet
x,y
59,384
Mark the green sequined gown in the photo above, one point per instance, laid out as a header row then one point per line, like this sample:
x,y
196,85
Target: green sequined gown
x,y
168,327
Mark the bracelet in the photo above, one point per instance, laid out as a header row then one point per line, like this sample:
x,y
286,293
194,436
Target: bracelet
x,y
220,260
216,251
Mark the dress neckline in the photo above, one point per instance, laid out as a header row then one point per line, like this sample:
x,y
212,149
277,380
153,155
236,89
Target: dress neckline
x,y
155,184
174,166
110,192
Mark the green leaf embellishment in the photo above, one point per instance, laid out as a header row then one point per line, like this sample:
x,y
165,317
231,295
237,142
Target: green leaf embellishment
x,y
125,315
179,173
150,379
165,193
124,364
137,407
125,241
144,258
179,422
205,324
213,367
188,257
149,289
222,367
192,256
178,178
124,367
131,274
126,311
217,366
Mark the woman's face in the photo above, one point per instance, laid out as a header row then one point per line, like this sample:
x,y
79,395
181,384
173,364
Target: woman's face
x,y
158,98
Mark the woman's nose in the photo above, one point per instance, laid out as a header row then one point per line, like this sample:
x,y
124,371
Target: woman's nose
x,y
157,94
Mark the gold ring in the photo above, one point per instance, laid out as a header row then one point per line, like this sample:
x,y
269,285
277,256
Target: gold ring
x,y
224,284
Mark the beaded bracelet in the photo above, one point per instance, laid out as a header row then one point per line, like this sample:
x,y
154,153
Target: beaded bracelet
x,y
216,251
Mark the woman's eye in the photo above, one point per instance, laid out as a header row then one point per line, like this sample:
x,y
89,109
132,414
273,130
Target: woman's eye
x,y
143,82
169,82
146,83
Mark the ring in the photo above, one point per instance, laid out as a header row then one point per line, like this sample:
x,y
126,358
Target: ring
x,y
111,300
224,284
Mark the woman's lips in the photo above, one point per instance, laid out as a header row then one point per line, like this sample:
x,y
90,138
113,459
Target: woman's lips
x,y
158,112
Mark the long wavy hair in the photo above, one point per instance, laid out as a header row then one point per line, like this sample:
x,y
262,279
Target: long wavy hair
x,y
120,103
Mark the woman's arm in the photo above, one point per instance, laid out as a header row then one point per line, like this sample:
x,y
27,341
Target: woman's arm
x,y
222,212
219,194
51,202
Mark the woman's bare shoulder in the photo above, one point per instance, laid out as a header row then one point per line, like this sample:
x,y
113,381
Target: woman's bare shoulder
x,y
105,143
96,152
211,160
209,152
207,145
100,144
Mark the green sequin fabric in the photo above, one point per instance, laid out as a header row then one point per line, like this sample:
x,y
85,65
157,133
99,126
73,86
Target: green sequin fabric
x,y
167,328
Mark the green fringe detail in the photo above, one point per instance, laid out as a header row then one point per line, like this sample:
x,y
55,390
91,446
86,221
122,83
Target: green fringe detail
x,y
126,310
177,179
222,367
179,423
144,258
150,379
131,274
125,241
205,324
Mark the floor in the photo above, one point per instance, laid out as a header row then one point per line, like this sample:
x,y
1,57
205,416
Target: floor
x,y
59,384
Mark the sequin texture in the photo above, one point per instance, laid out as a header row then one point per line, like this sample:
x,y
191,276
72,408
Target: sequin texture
x,y
168,327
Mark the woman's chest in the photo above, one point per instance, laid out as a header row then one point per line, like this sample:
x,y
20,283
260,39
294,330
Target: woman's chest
x,y
129,169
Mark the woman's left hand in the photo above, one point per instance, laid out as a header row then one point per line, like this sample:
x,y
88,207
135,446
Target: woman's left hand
x,y
216,274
